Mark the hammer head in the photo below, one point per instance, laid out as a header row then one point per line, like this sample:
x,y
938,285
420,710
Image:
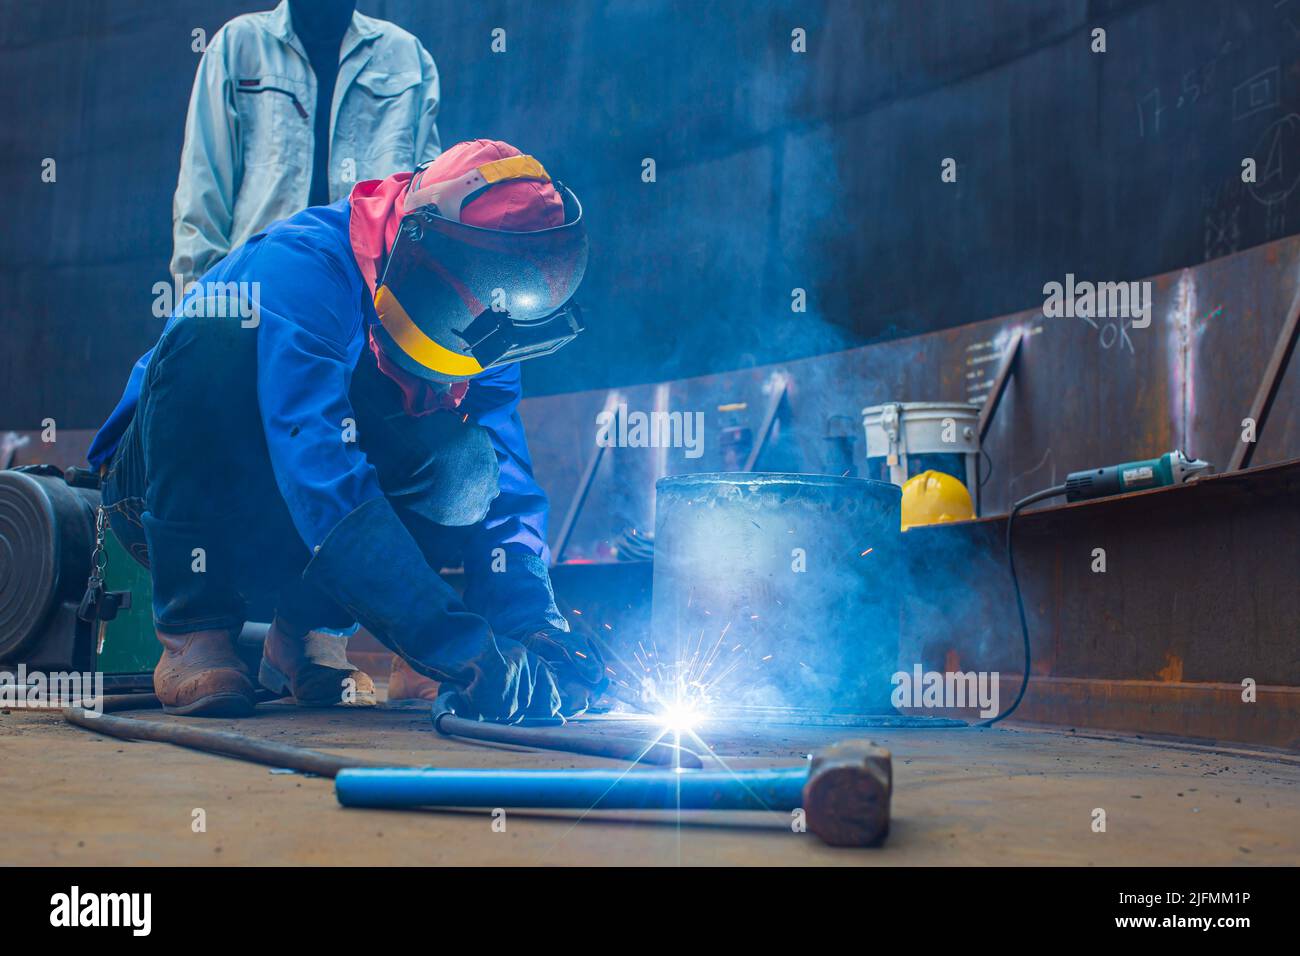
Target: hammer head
x,y
846,798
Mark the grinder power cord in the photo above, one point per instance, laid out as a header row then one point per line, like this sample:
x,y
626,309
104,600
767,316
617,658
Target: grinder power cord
x,y
1171,468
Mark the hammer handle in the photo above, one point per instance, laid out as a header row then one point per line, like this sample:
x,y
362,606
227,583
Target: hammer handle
x,y
573,789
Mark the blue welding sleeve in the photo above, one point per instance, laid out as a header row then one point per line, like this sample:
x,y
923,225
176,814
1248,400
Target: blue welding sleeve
x,y
308,341
372,567
506,557
517,599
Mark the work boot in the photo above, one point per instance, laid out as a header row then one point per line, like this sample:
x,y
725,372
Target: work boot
x,y
313,668
404,683
200,675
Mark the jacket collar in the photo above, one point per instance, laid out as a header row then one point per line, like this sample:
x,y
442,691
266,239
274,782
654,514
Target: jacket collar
x,y
362,29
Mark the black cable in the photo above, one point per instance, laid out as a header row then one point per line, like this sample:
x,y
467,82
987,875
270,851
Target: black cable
x,y
569,740
1052,492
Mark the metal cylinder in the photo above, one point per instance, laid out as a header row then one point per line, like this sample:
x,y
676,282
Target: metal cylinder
x,y
574,789
775,593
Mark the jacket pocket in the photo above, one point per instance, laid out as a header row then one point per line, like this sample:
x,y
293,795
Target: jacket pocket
x,y
274,121
383,84
387,107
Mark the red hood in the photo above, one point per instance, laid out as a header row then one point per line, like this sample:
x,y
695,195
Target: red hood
x,y
377,209
376,214
372,227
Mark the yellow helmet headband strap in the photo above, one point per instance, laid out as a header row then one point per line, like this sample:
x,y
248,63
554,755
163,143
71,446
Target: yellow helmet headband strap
x,y
452,194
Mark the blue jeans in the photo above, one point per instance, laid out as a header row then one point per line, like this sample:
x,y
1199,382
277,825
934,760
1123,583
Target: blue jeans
x,y
193,470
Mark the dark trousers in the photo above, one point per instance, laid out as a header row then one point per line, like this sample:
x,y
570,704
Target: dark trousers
x,y
192,495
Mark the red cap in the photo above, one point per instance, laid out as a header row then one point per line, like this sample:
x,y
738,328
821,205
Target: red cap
x,y
518,205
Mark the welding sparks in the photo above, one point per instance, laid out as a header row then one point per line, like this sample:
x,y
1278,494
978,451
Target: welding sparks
x,y
678,689
681,689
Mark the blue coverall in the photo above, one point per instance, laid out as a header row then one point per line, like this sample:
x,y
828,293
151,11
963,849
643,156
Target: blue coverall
x,y
302,354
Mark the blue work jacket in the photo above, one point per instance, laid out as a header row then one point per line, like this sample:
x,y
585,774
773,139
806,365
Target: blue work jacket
x,y
312,310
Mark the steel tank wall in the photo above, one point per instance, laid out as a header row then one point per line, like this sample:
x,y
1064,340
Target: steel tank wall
x,y
776,590
776,170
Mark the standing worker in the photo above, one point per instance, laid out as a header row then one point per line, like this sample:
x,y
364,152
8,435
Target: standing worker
x,y
325,453
291,108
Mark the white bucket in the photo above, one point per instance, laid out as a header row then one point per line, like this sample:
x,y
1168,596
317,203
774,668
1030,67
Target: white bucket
x,y
907,438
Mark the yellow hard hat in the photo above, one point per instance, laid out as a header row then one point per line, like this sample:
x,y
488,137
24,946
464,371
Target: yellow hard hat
x,y
933,497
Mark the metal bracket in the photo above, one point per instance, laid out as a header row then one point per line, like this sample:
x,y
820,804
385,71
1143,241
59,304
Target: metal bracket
x,y
769,420
612,399
993,400
1268,386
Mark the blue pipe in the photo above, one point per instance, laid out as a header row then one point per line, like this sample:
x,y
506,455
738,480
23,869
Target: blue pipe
x,y
576,789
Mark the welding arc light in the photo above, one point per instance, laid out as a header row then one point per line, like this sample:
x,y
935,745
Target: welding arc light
x,y
679,717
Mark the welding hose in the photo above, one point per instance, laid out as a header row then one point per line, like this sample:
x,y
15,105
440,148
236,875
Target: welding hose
x,y
1043,495
574,789
221,742
567,739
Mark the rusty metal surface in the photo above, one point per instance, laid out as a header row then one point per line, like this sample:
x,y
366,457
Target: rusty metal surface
x,y
1200,591
1201,586
1203,713
1209,712
1199,594
1270,383
1084,393
1002,796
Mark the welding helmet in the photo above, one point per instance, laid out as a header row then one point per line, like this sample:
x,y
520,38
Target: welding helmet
x,y
933,497
457,298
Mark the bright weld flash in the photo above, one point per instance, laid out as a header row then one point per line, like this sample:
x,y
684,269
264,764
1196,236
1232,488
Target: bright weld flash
x,y
679,718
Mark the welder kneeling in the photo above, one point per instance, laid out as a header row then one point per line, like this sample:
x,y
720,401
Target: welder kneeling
x,y
322,462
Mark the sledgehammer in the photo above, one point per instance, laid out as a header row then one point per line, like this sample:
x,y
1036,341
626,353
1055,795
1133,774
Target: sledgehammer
x,y
844,793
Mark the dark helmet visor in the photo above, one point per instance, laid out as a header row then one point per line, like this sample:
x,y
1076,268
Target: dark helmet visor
x,y
456,299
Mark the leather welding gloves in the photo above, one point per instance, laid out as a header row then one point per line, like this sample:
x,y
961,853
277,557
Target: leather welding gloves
x,y
517,599
577,663
370,565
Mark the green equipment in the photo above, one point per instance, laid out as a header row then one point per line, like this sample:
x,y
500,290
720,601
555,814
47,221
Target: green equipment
x,y
72,598
125,643
1171,468
48,528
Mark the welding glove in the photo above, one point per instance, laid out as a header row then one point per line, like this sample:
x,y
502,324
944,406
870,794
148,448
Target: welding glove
x,y
371,566
577,663
508,685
